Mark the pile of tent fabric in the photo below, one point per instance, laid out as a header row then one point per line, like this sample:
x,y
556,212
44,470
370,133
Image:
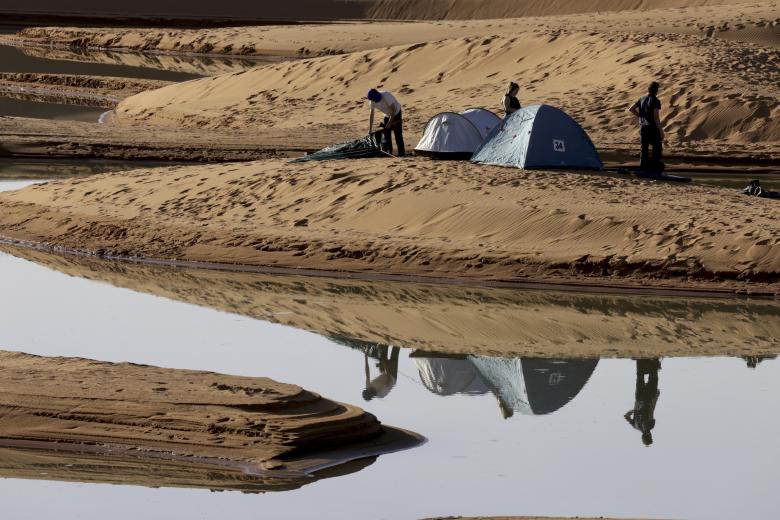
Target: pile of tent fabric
x,y
365,147
754,189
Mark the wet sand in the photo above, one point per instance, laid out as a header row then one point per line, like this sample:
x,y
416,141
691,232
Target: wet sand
x,y
27,137
240,424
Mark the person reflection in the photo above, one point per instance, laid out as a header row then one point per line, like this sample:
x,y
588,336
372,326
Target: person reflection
x,y
646,397
381,385
753,361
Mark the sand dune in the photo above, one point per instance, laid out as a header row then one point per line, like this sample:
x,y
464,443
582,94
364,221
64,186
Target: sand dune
x,y
341,9
718,95
469,9
414,217
458,320
134,411
747,22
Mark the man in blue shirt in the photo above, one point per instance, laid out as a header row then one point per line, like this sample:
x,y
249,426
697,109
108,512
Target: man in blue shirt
x,y
648,110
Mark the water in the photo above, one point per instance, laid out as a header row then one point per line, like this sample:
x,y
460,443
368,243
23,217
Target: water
x,y
506,436
34,59
16,173
102,63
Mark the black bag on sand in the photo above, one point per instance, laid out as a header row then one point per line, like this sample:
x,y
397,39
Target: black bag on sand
x,y
754,189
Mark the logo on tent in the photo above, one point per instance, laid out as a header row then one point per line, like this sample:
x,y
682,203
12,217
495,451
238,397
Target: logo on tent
x,y
558,145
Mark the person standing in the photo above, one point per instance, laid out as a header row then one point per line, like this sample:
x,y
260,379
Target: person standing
x,y
510,102
393,121
648,110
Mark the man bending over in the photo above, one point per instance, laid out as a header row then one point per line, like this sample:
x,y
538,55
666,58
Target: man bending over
x,y
393,122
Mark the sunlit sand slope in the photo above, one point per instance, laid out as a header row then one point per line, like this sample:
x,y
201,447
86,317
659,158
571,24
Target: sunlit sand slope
x,y
414,216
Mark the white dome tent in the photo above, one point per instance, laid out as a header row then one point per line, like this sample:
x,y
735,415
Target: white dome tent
x,y
456,136
483,119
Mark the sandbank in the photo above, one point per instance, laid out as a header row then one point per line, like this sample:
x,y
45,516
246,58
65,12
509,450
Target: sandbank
x,y
415,217
251,425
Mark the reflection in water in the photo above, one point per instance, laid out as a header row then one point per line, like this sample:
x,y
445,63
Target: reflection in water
x,y
521,385
34,169
42,60
381,385
386,362
469,440
458,320
69,466
753,361
449,374
171,67
528,386
642,417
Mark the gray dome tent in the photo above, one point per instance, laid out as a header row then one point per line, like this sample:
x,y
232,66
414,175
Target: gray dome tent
x,y
456,136
539,137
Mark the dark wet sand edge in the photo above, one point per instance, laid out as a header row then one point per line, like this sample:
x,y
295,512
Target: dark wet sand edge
x,y
595,285
301,465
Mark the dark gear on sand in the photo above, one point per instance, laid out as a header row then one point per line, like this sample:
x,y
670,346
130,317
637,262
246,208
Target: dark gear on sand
x,y
363,148
754,189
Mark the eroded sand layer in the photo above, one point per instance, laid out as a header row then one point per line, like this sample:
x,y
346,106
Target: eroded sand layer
x,y
416,217
143,412
458,320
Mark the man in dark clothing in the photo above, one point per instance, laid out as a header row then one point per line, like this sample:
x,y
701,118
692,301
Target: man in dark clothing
x,y
642,417
648,110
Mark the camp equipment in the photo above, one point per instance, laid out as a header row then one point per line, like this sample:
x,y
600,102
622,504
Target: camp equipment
x,y
456,136
539,137
357,149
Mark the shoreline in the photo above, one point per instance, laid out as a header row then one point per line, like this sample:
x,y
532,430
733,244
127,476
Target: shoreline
x,y
595,286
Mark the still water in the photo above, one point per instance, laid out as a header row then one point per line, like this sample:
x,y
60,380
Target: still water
x,y
661,437
102,63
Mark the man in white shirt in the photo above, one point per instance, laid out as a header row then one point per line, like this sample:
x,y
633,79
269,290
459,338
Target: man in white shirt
x,y
393,121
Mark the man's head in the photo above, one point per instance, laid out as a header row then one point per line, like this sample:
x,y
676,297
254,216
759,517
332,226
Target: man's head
x,y
369,393
374,95
653,88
